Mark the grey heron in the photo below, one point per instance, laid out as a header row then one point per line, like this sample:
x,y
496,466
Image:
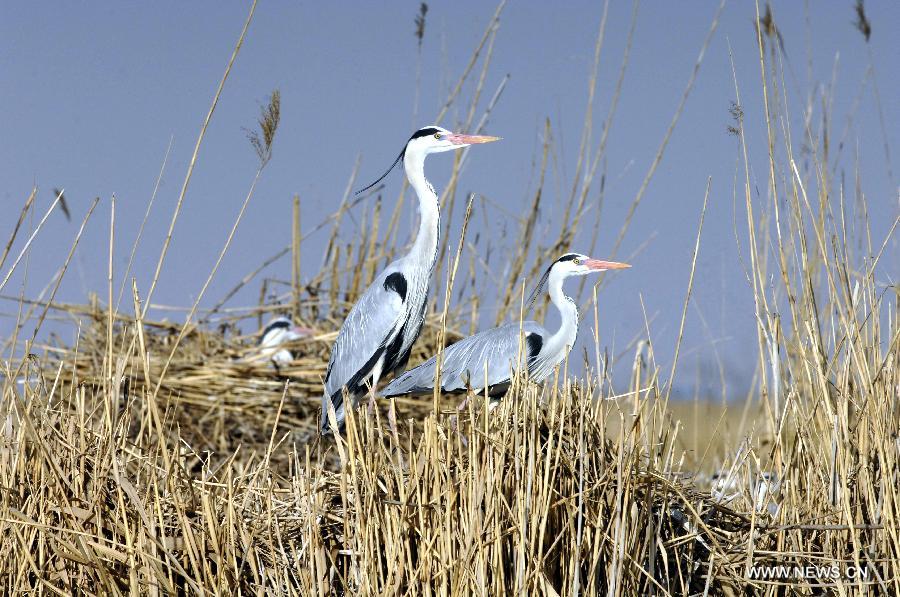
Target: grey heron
x,y
378,333
488,358
276,334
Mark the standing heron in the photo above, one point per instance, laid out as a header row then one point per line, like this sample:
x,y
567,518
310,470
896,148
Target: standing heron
x,y
489,358
378,334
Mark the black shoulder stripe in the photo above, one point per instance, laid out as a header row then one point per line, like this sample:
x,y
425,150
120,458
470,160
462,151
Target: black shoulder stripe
x,y
535,342
397,283
392,354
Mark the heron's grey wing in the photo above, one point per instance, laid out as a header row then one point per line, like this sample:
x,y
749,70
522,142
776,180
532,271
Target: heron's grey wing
x,y
487,356
370,324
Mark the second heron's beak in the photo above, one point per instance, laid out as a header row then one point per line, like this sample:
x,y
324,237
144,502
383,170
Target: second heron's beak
x,y
458,139
600,265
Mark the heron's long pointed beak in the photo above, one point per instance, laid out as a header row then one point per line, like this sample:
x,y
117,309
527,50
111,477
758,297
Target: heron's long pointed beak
x,y
600,265
458,139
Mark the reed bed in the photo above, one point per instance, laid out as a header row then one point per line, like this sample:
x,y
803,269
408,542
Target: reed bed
x,y
167,457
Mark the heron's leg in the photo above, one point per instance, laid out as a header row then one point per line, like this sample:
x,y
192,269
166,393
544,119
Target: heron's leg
x,y
372,395
454,420
392,418
465,401
376,375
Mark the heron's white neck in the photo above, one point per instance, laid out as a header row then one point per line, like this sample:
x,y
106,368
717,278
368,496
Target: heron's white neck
x,y
424,249
559,344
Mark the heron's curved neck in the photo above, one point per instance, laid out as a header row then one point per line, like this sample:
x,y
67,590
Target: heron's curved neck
x,y
559,344
424,249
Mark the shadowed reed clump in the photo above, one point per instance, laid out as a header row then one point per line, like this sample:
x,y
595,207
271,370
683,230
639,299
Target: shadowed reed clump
x,y
420,23
862,23
63,204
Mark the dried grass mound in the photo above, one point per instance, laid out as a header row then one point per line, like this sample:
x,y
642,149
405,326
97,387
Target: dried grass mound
x,y
533,496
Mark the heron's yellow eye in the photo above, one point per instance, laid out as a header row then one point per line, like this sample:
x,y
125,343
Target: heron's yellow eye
x,y
437,135
576,261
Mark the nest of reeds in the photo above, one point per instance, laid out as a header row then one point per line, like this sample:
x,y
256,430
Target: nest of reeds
x,y
218,389
531,494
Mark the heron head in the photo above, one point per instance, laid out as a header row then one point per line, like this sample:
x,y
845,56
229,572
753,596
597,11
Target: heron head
x,y
576,264
435,139
432,139
282,329
571,264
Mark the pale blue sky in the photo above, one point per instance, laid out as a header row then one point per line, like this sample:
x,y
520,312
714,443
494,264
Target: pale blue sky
x,y
91,94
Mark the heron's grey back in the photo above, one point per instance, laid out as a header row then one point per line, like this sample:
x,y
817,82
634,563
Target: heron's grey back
x,y
368,327
486,356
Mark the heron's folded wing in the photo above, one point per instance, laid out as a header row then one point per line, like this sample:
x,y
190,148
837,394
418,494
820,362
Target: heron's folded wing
x,y
372,321
487,356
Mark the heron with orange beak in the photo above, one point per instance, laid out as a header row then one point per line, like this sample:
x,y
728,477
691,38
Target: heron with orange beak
x,y
490,358
376,338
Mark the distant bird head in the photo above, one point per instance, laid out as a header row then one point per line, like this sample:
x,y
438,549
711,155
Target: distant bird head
x,y
279,331
282,329
432,139
572,264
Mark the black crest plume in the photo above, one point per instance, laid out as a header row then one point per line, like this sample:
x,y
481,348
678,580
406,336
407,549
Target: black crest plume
x,y
538,289
382,177
423,132
542,283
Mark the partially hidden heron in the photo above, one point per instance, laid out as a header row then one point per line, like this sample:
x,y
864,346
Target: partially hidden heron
x,y
377,335
489,358
273,339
